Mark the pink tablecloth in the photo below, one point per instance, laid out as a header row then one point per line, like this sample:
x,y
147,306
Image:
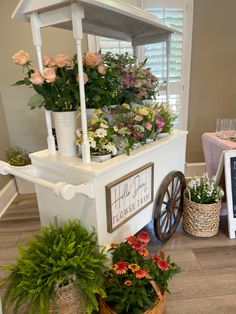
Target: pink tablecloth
x,y
213,146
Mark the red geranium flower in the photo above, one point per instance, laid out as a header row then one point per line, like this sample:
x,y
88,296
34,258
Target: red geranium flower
x,y
131,240
120,267
162,264
155,258
141,273
137,245
144,237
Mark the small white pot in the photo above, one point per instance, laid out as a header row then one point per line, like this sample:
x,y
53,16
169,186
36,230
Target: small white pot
x,y
100,158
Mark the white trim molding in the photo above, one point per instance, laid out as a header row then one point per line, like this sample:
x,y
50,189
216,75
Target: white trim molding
x,y
7,195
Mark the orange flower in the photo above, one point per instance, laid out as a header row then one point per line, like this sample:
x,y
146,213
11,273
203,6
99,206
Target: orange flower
x,y
134,267
141,273
128,283
131,240
143,251
120,267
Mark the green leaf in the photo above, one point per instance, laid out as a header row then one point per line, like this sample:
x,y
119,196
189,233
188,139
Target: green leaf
x,y
21,82
36,101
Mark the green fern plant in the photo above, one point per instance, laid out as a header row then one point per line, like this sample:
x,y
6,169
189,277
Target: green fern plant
x,y
54,258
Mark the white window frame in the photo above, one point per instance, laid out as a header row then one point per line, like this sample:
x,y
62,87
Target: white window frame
x,y
94,45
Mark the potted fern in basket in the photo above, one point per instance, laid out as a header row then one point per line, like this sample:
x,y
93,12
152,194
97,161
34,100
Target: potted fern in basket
x,y
202,204
58,271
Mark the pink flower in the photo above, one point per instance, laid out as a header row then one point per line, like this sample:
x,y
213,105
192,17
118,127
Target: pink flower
x,y
102,69
159,123
162,264
120,267
141,273
148,126
21,57
62,60
144,237
36,78
137,135
47,61
85,78
49,74
92,59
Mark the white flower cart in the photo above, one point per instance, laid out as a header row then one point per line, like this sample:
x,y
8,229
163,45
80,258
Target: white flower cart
x,y
116,197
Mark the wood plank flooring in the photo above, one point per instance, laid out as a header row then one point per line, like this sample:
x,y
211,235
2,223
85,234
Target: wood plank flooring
x,y
206,285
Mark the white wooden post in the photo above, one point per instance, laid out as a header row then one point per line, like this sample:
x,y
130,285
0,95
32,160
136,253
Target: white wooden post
x,y
77,12
167,67
0,306
35,27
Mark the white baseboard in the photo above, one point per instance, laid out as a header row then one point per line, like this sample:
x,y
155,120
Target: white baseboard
x,y
7,195
195,169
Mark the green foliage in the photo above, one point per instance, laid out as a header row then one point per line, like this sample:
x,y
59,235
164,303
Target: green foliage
x,y
128,282
17,157
168,115
56,257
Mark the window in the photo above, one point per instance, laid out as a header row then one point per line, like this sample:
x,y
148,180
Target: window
x,y
177,14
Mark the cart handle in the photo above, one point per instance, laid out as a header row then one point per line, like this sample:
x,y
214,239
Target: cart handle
x,y
65,190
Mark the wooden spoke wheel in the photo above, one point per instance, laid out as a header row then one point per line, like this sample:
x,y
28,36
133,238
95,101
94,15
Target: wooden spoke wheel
x,y
168,205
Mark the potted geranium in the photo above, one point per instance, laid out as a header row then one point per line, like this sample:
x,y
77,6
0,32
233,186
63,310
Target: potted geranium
x,y
100,137
136,282
59,271
202,204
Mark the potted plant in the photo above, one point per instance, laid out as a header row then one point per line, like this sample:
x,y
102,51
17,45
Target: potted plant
x,y
100,138
202,204
18,157
136,282
58,271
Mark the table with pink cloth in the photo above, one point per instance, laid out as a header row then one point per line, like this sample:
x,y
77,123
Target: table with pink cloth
x,y
213,146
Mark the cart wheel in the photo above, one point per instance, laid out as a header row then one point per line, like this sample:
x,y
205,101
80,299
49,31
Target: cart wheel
x,y
168,205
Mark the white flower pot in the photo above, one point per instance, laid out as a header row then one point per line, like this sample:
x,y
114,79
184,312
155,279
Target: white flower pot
x,y
100,158
65,125
160,135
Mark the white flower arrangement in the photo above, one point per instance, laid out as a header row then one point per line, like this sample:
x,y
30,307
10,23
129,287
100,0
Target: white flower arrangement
x,y
204,190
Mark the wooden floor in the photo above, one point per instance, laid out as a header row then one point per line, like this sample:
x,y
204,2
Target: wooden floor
x,y
207,283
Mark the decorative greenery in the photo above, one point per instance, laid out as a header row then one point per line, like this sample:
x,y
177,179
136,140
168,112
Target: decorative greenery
x,y
127,283
18,157
56,257
204,190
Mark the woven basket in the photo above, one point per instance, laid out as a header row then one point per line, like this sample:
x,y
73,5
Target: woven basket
x,y
201,220
67,301
157,309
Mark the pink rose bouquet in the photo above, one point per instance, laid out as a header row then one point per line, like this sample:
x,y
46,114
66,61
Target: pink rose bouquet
x,y
128,281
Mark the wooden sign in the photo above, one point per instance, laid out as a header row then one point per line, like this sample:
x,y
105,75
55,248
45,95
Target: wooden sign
x,y
128,195
227,166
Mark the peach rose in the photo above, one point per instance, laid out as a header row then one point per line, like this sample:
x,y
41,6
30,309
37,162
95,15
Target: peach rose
x,y
36,78
62,60
92,59
21,57
85,78
102,69
49,74
49,61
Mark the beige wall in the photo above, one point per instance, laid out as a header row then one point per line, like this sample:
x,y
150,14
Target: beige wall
x,y
4,142
213,70
26,127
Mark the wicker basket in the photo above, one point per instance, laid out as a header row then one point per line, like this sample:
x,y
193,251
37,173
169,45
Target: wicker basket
x,y
67,301
201,220
157,309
